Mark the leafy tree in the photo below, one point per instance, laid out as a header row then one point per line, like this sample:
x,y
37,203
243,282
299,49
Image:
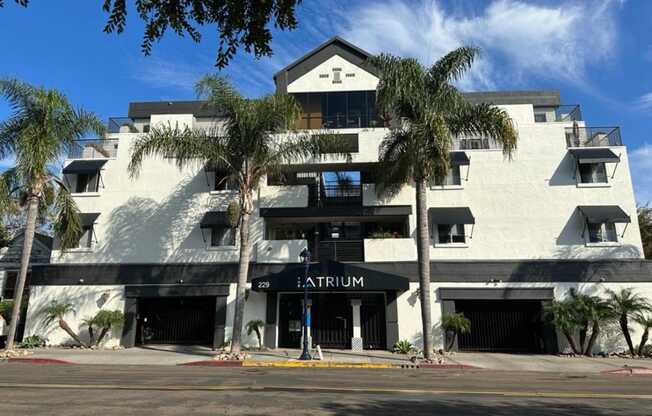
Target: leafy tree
x,y
627,304
57,311
256,326
646,322
255,141
39,132
240,24
645,226
427,113
455,324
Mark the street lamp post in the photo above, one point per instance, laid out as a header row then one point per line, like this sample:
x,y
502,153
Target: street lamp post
x,y
305,258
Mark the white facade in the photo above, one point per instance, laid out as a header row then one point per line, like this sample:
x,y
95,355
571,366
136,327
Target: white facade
x,y
524,209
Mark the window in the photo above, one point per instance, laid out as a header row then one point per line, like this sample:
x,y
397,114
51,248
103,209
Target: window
x,y
86,240
540,117
223,183
602,232
9,285
450,233
222,236
471,144
87,182
453,177
593,172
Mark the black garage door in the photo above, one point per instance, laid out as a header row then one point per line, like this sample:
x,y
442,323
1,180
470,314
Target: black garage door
x,y
502,326
176,320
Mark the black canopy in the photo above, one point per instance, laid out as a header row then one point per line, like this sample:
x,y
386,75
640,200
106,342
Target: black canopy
x,y
213,218
84,166
604,213
460,158
594,155
88,219
450,216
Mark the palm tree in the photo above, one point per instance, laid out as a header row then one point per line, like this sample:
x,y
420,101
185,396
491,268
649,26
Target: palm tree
x,y
255,326
627,304
563,315
39,132
256,140
455,324
427,113
598,311
56,311
646,322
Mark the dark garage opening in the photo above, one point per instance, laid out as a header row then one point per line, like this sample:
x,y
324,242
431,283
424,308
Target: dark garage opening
x,y
176,320
514,326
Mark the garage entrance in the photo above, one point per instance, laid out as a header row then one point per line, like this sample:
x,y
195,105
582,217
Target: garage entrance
x,y
502,326
176,320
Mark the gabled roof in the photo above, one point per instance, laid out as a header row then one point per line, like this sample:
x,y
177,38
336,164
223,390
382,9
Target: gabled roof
x,y
333,46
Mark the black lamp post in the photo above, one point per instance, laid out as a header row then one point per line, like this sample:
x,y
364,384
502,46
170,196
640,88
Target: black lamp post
x,y
305,258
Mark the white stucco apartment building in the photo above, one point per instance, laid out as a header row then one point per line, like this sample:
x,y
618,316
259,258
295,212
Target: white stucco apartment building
x,y
507,236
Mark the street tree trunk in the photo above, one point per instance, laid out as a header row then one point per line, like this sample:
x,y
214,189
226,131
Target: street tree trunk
x,y
641,346
625,329
423,251
28,241
243,271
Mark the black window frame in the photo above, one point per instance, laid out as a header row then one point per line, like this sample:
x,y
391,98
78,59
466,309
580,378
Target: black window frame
x,y
87,232
83,180
454,177
449,237
593,175
220,183
606,232
222,229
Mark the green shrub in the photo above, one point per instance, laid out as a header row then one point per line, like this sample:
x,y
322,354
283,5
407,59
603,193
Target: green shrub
x,y
6,307
454,324
32,341
403,347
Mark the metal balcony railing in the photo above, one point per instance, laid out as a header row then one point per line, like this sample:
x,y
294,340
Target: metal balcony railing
x,y
474,143
334,195
121,125
568,113
593,136
341,250
338,122
93,149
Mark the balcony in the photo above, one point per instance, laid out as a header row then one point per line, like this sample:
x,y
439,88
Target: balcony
x,y
562,113
121,125
593,136
93,149
342,121
475,143
340,250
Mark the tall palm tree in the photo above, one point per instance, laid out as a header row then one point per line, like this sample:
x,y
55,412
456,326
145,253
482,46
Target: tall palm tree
x,y
38,134
256,140
427,113
626,304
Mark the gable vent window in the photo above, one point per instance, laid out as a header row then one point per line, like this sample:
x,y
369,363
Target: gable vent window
x,y
323,75
350,75
337,72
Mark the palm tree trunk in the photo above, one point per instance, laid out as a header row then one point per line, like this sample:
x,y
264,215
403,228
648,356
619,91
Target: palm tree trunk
x,y
583,331
243,271
64,325
28,241
641,346
91,335
625,328
595,331
451,341
423,251
571,341
260,339
103,333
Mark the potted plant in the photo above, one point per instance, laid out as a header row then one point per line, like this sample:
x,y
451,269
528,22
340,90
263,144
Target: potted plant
x,y
454,325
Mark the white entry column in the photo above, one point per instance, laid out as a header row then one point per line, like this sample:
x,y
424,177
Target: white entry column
x,y
356,341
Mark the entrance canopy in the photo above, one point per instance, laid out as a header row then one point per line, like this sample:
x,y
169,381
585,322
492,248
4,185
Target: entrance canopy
x,y
330,276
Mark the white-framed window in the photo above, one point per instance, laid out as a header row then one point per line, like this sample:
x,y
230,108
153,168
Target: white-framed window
x,y
454,177
87,182
540,117
222,236
450,234
592,172
602,232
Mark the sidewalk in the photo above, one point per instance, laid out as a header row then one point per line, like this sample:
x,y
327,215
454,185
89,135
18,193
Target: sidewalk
x,y
177,355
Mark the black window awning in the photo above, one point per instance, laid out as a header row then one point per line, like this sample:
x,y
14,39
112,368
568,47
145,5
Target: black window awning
x,y
84,166
594,155
214,218
450,216
604,213
460,158
88,219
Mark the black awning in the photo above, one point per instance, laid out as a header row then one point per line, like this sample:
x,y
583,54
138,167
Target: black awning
x,y
213,218
343,211
460,158
604,213
450,216
594,155
88,219
84,166
330,276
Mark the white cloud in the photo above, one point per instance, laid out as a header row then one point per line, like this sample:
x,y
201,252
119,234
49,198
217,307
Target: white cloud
x,y
645,101
161,73
519,39
640,164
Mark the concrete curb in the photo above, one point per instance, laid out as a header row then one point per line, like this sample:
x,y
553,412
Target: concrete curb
x,y
312,364
630,371
212,363
38,360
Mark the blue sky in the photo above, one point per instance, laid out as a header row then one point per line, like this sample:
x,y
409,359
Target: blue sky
x,y
597,53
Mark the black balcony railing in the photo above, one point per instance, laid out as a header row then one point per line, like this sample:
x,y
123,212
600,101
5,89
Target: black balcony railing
x,y
593,136
341,250
568,113
338,122
93,149
334,195
121,125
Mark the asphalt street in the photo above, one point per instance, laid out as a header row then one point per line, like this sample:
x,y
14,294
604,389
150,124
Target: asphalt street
x,y
158,390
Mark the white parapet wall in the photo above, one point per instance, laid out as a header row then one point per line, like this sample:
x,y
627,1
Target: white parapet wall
x,y
87,301
390,249
280,251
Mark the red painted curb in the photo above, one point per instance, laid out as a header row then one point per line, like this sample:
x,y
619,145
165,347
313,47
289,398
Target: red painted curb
x,y
39,361
213,363
450,366
630,371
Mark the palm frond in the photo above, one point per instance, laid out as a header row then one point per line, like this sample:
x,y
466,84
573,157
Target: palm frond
x,y
452,66
219,93
67,225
